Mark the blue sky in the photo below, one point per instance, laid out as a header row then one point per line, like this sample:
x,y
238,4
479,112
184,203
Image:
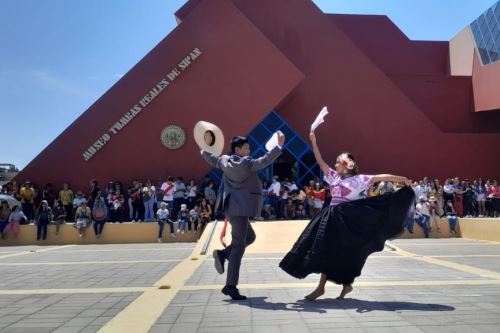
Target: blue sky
x,y
57,57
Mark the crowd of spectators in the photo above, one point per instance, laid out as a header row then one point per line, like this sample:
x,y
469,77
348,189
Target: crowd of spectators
x,y
192,204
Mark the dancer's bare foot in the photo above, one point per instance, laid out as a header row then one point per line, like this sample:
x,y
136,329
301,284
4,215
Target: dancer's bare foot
x,y
315,294
346,290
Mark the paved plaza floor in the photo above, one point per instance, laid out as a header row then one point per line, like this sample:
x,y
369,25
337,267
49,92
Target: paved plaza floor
x,y
416,285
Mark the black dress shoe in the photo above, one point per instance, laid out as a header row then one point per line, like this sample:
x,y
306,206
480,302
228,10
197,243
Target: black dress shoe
x,y
219,258
233,292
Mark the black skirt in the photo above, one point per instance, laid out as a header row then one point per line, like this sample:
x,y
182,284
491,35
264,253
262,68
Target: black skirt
x,y
338,239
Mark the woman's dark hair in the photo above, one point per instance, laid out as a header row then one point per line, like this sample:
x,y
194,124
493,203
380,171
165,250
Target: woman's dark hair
x,y
238,142
355,170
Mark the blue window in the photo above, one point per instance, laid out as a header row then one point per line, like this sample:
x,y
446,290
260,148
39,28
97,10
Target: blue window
x,y
486,32
297,161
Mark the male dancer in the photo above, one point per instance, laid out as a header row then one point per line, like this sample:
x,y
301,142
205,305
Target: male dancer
x,y
240,196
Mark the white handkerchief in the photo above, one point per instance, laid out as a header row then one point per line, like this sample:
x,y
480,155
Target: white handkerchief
x,y
273,142
319,119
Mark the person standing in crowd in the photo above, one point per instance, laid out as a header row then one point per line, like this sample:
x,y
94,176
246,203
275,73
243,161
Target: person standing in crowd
x,y
82,218
274,193
423,215
163,217
481,197
283,204
43,218
66,196
319,198
59,212
451,216
116,203
94,189
4,216
15,218
448,191
309,189
194,218
469,201
49,194
182,218
179,192
192,194
459,197
136,201
435,218
436,191
205,214
494,195
210,196
131,188
28,195
148,198
168,189
99,215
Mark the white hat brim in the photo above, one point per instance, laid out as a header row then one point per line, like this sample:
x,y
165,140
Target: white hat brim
x,y
200,129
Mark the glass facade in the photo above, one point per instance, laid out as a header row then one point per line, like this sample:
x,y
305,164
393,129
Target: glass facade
x,y
486,31
297,161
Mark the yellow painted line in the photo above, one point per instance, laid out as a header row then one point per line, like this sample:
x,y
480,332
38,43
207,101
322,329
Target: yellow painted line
x,y
35,251
459,267
85,262
397,283
73,291
140,315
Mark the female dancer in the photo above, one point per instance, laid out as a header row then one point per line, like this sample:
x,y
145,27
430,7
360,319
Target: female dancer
x,y
339,238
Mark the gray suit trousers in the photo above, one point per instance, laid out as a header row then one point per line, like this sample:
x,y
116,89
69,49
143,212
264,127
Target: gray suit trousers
x,y
242,235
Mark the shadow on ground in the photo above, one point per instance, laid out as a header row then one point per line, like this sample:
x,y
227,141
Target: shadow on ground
x,y
321,306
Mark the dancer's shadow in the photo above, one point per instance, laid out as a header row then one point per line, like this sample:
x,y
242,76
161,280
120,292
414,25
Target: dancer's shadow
x,y
361,306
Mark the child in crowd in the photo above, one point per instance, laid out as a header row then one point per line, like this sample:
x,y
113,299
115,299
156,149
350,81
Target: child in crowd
x,y
451,216
183,218
194,218
434,217
15,219
43,218
300,212
163,217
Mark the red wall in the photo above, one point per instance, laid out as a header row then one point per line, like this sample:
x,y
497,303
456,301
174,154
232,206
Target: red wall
x,y
486,86
287,55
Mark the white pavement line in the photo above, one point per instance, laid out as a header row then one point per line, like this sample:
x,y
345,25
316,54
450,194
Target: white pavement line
x,y
125,249
467,256
448,264
448,244
140,315
35,251
85,262
74,291
367,284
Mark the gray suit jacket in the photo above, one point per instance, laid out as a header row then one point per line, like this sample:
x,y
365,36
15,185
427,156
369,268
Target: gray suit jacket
x,y
240,192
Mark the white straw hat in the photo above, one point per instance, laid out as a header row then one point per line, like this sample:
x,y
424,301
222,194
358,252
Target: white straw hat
x,y
205,130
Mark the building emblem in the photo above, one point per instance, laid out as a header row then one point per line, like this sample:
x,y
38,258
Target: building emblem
x,y
173,137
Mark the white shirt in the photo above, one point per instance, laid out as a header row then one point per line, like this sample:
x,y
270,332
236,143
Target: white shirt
x,y
275,188
192,191
169,195
423,209
162,213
